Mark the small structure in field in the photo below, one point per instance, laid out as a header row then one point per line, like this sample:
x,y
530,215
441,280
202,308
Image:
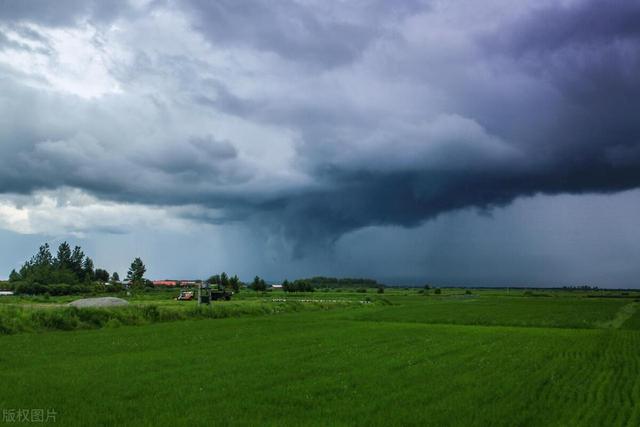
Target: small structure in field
x,y
99,302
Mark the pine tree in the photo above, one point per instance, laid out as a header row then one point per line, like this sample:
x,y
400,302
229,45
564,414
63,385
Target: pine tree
x,y
87,269
234,282
224,280
77,262
14,276
43,258
63,258
135,275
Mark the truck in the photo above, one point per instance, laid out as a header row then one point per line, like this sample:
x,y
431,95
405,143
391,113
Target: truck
x,y
220,294
185,296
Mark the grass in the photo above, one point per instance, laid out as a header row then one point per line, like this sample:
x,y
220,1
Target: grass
x,y
633,320
39,318
565,362
505,311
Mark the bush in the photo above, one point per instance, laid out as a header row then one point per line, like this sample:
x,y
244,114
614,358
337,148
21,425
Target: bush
x,y
437,291
150,312
381,290
93,317
65,320
113,323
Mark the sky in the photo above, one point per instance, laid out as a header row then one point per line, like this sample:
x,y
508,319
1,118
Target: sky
x,y
453,142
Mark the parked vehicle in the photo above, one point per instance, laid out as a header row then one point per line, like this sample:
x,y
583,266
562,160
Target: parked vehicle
x,y
185,296
220,294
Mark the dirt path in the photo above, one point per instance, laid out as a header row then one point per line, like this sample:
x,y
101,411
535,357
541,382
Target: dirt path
x,y
621,316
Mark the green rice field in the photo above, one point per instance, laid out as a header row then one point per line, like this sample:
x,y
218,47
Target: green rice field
x,y
410,359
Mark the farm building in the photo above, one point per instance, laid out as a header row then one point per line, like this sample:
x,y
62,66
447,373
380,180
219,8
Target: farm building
x,y
173,283
169,283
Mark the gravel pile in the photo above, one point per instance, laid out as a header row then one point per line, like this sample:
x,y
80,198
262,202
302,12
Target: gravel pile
x,y
99,302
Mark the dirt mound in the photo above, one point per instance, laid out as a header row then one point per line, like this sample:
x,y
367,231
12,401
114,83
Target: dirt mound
x,y
99,302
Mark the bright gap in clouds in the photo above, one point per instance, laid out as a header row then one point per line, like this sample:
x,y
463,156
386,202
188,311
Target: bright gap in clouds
x,y
74,212
75,61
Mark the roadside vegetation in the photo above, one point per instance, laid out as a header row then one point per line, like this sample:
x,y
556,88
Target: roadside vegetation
x,y
40,317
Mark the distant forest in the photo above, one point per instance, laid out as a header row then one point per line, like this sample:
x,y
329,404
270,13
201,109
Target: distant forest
x,y
334,282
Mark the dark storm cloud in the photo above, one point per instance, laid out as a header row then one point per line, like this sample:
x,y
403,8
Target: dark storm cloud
x,y
300,32
587,23
412,114
589,54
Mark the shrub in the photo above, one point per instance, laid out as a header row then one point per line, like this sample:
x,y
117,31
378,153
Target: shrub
x,y
150,312
438,291
93,317
65,320
113,323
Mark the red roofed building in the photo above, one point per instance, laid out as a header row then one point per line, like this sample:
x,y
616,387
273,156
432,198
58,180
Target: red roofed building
x,y
173,283
165,283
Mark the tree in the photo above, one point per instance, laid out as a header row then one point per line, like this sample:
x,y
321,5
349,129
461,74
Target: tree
x,y
101,275
214,280
87,269
258,284
77,262
115,277
63,258
224,280
234,282
43,257
135,275
14,276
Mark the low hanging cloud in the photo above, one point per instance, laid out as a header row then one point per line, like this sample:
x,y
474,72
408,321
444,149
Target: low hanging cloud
x,y
316,119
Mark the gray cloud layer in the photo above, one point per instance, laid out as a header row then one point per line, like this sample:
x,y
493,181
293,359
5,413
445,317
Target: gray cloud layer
x,y
316,120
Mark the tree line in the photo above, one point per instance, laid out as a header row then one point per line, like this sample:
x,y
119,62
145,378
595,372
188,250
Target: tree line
x,y
342,282
68,266
225,282
70,271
